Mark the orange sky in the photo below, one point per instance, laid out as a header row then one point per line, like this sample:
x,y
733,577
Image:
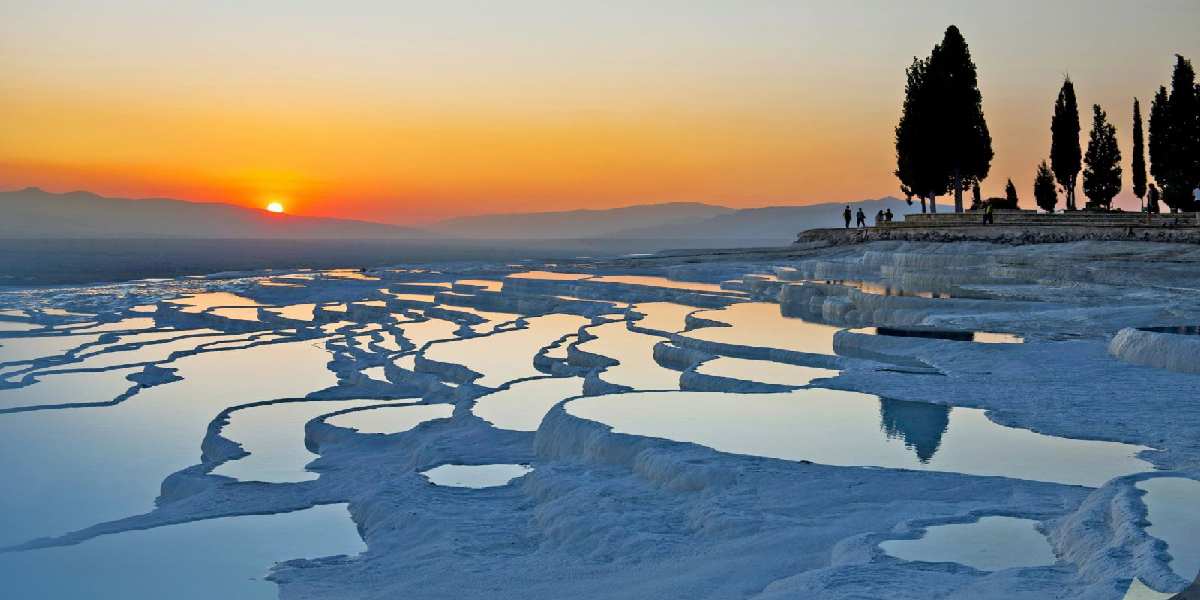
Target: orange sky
x,y
406,112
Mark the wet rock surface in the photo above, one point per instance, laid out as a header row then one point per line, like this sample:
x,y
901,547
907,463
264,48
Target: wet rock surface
x,y
376,379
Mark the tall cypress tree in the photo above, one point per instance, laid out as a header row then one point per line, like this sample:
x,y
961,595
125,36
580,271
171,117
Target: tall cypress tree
x,y
1064,141
1043,188
1010,195
1183,137
917,165
1159,127
965,148
1175,137
1138,164
1102,175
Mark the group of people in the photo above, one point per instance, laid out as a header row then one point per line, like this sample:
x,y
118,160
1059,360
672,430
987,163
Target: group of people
x,y
883,216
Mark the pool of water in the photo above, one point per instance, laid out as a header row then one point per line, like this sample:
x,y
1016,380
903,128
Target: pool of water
x,y
521,406
989,544
847,428
273,434
760,324
237,313
662,316
635,353
482,355
32,347
16,326
201,560
423,332
663,282
298,312
551,275
763,371
196,303
68,388
80,466
475,476
1171,504
389,418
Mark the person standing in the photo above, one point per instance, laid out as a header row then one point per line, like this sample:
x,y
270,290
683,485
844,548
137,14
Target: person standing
x,y
988,217
887,216
846,215
862,217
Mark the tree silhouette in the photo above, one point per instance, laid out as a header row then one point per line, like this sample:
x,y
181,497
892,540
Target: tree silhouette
x,y
1043,188
1138,164
1064,141
1102,175
965,148
976,199
1175,137
1159,126
916,154
1010,195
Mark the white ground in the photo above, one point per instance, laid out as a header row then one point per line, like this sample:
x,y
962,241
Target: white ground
x,y
613,515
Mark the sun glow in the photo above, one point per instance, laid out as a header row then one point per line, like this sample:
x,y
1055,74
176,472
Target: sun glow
x,y
275,207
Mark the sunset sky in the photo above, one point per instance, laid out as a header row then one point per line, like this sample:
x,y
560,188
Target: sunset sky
x,y
407,112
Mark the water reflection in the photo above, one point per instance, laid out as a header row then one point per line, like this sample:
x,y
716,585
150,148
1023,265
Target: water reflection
x,y
761,324
989,544
918,424
842,428
515,361
475,476
522,406
215,558
1171,509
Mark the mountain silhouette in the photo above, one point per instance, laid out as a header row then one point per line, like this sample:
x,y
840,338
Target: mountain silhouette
x,y
34,213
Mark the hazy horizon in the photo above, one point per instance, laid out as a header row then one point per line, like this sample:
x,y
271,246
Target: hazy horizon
x,y
408,113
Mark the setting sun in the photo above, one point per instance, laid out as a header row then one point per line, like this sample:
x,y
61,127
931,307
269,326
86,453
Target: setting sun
x,y
275,207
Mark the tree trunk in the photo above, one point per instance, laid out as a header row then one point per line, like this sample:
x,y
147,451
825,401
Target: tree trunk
x,y
933,204
958,206
923,205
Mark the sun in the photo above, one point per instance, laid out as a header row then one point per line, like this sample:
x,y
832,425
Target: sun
x,y
275,207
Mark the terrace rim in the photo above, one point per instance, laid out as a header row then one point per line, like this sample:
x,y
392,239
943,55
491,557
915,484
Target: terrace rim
x,y
1019,227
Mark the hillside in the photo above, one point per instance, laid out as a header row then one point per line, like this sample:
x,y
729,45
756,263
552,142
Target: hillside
x,y
770,225
578,224
34,213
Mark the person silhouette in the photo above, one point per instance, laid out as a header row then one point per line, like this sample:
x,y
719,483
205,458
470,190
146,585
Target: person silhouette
x,y
862,218
887,216
846,215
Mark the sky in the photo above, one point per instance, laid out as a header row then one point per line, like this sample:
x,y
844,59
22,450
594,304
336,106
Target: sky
x,y
409,112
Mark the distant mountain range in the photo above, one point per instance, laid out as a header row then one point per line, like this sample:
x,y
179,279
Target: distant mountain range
x,y
579,224
34,213
692,222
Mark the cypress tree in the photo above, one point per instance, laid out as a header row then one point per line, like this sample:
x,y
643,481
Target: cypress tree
x,y
1175,137
1138,164
1183,138
917,165
1043,188
965,148
1064,142
976,200
1102,175
1159,126
1010,195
